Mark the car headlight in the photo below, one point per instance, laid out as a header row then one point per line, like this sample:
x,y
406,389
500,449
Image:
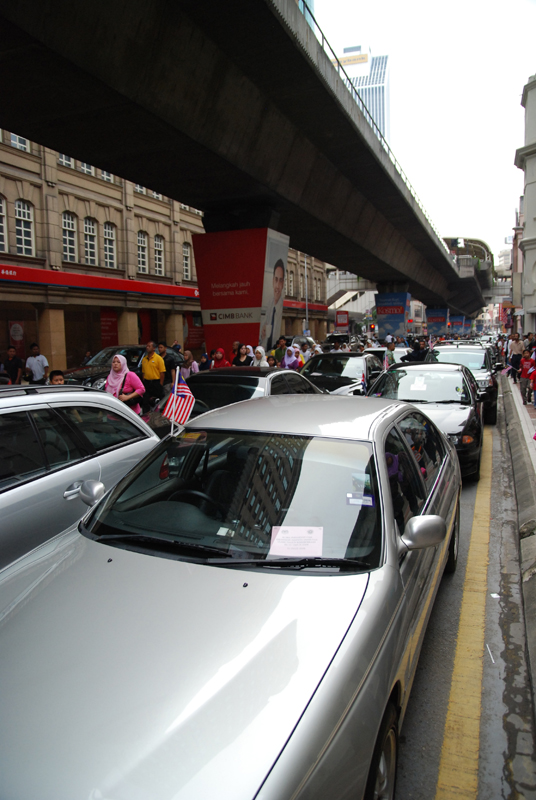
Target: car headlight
x,y
485,383
99,383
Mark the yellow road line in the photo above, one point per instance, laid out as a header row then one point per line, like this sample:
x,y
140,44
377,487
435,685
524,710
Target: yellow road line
x,y
458,767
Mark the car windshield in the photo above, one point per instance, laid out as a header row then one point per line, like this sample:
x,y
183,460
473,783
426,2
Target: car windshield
x,y
265,498
217,392
398,352
472,359
417,386
343,366
105,357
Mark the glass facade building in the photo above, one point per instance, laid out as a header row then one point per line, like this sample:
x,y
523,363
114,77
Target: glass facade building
x,y
370,76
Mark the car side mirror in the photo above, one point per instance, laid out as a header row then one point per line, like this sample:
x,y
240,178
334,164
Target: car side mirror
x,y
428,530
481,396
91,492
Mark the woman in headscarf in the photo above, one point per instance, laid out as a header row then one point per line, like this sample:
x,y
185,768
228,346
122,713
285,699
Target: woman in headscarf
x,y
298,354
260,358
124,384
204,362
190,366
289,360
242,359
219,359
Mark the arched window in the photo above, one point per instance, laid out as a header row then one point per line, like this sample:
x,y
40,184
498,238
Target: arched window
x,y
158,255
68,224
142,252
110,258
24,228
90,241
301,284
186,263
3,226
291,284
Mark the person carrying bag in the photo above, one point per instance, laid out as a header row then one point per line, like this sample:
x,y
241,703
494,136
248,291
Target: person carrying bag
x,y
124,384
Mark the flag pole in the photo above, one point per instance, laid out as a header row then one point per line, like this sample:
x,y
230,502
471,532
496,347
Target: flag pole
x,y
177,373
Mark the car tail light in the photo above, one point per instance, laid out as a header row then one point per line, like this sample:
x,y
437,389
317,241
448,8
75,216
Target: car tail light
x,y
467,440
164,469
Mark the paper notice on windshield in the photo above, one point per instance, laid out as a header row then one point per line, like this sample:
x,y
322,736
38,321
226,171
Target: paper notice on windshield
x,y
296,541
419,385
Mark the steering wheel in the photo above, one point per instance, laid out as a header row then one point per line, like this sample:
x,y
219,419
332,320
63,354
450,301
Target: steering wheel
x,y
197,493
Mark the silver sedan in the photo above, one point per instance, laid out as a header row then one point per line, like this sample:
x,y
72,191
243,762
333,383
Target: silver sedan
x,y
240,617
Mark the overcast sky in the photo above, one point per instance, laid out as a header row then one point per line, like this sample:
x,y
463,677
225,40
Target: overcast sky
x,y
457,75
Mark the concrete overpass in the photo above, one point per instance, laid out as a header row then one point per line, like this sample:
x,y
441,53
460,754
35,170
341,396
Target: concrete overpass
x,y
234,108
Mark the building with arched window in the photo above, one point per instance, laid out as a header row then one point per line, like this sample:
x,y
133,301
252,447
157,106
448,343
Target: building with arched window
x,y
88,259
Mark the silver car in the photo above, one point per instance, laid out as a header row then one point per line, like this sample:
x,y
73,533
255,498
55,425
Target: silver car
x,y
52,438
240,618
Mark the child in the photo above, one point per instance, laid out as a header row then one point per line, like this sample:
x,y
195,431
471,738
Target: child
x,y
56,378
528,367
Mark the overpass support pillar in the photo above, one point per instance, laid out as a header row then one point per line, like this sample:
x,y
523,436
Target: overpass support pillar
x,y
52,337
175,329
127,328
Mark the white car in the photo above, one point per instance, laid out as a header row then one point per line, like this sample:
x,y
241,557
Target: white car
x,y
52,438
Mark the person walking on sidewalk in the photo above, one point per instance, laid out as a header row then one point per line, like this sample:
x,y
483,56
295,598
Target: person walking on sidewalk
x,y
516,351
528,366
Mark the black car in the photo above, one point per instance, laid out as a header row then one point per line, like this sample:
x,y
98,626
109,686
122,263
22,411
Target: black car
x,y
215,388
97,369
479,361
343,373
449,395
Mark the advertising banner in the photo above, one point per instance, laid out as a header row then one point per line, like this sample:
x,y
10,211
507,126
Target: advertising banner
x,y
241,278
456,325
467,325
109,332
16,336
437,321
342,321
392,311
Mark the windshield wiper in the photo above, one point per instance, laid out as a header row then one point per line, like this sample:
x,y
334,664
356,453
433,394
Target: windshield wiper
x,y
290,563
112,536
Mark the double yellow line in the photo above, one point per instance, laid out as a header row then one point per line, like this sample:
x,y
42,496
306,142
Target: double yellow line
x,y
458,767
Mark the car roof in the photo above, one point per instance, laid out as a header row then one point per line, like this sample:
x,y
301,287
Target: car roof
x,y
338,354
44,394
306,415
429,365
227,372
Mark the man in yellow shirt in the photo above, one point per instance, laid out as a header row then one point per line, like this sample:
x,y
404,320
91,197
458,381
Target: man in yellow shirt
x,y
153,371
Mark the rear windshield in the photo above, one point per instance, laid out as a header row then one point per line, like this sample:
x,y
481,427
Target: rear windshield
x,y
469,359
343,366
105,357
221,392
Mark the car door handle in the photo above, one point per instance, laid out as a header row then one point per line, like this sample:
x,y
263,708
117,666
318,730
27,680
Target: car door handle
x,y
73,490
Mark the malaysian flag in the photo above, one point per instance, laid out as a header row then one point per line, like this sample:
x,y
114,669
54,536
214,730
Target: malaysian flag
x,y
180,402
363,383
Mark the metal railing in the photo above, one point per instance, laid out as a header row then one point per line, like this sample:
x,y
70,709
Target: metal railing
x,y
330,52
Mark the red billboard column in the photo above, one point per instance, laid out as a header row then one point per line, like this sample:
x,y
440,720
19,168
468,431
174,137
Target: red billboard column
x,y
241,279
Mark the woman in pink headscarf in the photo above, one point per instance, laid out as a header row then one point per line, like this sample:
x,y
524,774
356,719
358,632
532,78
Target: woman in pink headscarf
x,y
289,360
124,384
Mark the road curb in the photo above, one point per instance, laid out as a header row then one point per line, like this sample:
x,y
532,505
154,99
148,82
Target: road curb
x,y
525,489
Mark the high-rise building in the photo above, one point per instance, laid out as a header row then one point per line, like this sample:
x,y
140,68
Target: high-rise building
x,y
370,76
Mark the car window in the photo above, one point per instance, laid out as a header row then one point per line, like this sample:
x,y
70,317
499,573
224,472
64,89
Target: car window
x,y
426,445
279,385
216,392
100,427
298,385
58,442
344,366
21,454
407,492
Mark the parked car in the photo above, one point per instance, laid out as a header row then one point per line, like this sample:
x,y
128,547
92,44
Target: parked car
x,y
449,395
479,361
216,388
52,438
97,369
299,340
379,352
331,338
343,373
240,617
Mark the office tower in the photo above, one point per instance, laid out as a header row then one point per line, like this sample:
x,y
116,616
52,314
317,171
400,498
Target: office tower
x,y
370,76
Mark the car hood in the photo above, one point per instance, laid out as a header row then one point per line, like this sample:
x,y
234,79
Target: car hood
x,y
448,418
80,374
131,676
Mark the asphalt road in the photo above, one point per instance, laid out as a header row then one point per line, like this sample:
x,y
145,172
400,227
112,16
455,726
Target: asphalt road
x,y
506,761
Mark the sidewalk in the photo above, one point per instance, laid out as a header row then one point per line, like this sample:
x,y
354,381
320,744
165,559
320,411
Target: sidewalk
x,y
521,426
